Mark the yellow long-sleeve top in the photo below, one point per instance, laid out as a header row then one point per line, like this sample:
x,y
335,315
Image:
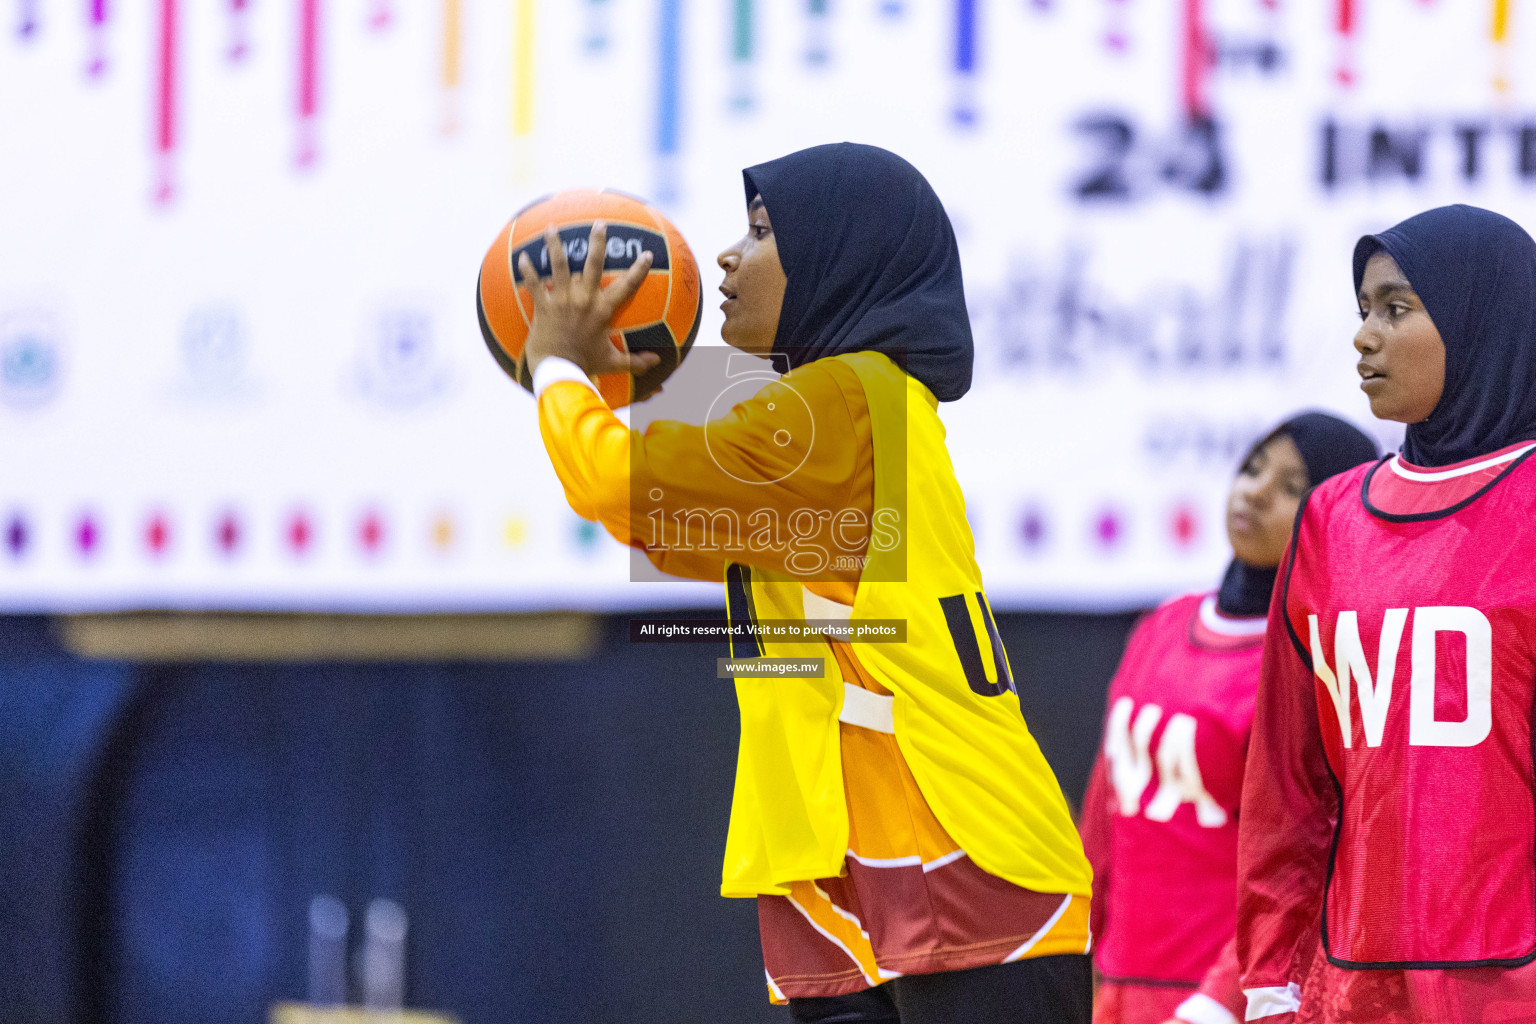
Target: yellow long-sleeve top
x,y
610,472
909,901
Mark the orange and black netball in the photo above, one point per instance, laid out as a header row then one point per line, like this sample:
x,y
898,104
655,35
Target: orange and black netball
x,y
662,316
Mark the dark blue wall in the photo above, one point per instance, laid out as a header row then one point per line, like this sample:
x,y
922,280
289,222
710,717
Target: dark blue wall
x,y
554,831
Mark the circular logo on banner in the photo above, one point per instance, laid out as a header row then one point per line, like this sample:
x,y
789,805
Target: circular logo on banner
x,y
215,355
31,361
398,366
213,344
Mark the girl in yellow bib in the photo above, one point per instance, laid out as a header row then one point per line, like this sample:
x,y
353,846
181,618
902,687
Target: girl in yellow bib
x,y
910,851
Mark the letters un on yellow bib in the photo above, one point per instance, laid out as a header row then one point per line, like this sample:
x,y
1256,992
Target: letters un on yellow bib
x,y
962,735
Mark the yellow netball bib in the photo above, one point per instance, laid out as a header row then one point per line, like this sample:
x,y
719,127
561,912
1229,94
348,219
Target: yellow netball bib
x,y
956,715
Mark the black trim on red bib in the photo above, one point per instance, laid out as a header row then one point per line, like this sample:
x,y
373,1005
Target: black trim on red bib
x,y
1409,965
1227,643
1421,517
1285,588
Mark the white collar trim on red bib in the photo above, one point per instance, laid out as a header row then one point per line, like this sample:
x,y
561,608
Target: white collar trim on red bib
x,y
1216,622
1418,476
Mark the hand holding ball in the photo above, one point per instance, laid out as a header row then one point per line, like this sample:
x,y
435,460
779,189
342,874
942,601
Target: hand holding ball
x,y
627,320
572,315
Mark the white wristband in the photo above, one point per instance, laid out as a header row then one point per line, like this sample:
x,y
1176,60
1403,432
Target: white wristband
x,y
1270,1000
1202,1009
552,369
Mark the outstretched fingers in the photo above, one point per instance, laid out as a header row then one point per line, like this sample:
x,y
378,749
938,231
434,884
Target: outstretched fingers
x,y
597,256
536,288
626,284
573,317
559,266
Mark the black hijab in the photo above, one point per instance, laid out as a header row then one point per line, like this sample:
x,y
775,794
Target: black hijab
x,y
1476,272
871,262
1328,446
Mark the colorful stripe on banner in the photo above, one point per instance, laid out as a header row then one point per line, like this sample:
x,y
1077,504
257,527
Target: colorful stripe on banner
x,y
17,536
239,30
965,61
227,534
96,19
1116,38
307,92
158,535
1346,23
669,84
87,535
965,37
453,32
27,23
522,67
669,87
1499,32
1197,61
817,51
453,24
597,25
742,54
741,31
166,81
381,15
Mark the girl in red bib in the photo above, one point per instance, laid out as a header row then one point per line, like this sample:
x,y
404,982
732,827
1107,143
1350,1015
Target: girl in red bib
x,y
1160,818
1387,849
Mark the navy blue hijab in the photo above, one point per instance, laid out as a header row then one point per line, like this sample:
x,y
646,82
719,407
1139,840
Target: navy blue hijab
x,y
1328,446
1476,274
871,263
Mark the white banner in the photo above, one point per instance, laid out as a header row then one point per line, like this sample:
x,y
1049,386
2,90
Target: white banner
x,y
239,360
